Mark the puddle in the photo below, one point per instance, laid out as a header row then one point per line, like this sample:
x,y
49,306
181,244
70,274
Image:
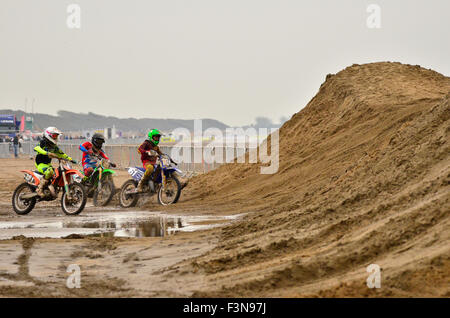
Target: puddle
x,y
111,224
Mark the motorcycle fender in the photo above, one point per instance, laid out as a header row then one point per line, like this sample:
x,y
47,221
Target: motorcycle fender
x,y
109,171
172,170
35,181
69,174
73,171
136,173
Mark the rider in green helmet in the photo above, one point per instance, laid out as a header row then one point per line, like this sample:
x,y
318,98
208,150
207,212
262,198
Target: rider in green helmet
x,y
154,136
148,159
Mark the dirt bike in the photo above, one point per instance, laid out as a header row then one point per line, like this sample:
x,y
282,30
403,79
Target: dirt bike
x,y
65,179
162,182
99,184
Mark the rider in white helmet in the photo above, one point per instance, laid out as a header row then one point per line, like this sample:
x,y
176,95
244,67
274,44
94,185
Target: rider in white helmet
x,y
48,149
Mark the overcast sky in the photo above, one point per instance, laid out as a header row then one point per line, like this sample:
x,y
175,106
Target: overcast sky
x,y
231,60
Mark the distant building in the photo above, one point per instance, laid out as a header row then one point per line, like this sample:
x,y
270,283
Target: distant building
x,y
108,132
9,125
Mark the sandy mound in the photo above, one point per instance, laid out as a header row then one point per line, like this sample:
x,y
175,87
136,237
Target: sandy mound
x,y
364,178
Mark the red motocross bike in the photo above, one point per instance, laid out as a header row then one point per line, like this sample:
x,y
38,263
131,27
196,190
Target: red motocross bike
x,y
65,179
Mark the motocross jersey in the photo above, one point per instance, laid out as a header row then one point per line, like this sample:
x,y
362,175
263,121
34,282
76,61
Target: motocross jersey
x,y
89,160
44,148
147,146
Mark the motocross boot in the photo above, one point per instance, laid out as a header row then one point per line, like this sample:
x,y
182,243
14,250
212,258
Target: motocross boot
x,y
141,184
152,186
41,187
52,190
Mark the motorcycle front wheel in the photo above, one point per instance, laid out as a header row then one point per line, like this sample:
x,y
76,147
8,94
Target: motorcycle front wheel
x,y
171,193
77,201
106,193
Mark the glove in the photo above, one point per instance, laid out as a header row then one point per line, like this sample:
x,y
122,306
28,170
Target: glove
x,y
112,164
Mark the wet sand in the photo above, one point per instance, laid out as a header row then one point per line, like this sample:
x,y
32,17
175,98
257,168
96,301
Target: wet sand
x,y
113,263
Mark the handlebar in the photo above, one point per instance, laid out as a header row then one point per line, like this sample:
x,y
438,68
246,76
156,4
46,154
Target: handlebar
x,y
65,159
103,159
171,160
152,153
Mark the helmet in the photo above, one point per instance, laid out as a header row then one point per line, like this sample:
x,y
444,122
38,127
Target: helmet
x,y
98,140
152,134
51,134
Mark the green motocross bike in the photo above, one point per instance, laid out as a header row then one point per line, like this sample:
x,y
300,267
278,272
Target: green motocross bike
x,y
99,185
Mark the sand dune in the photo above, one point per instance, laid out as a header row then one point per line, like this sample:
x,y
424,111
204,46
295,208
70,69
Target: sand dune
x,y
364,178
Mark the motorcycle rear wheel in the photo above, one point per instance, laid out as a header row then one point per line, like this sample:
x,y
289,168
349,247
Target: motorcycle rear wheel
x,y
23,207
127,199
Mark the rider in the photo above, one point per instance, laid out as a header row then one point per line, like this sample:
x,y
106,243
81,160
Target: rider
x,y
148,159
93,148
48,149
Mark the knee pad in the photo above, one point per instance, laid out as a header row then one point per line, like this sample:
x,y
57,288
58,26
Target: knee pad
x,y
88,171
148,170
48,173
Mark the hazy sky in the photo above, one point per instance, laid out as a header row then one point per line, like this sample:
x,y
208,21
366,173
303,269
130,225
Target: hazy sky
x,y
230,60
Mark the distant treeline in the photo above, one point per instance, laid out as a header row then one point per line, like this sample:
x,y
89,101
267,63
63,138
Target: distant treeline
x,y
69,121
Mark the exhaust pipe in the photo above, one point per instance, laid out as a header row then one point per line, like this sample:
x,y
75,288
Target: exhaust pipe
x,y
29,196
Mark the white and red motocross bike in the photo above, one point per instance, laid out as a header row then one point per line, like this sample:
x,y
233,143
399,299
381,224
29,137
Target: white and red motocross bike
x,y
65,179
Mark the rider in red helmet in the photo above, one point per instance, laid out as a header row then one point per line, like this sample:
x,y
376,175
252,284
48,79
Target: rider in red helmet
x,y
90,149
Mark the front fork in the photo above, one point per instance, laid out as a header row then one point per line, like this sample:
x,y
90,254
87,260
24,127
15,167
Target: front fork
x,y
99,185
66,186
163,179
